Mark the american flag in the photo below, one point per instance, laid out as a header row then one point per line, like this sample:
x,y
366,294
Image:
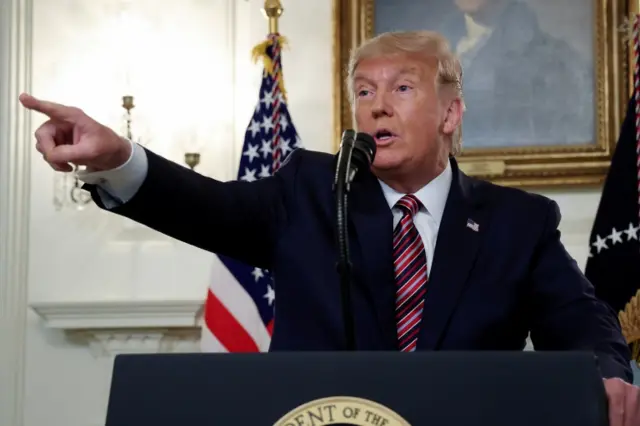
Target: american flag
x,y
239,308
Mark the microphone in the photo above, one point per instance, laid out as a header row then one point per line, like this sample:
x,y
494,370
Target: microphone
x,y
364,151
357,152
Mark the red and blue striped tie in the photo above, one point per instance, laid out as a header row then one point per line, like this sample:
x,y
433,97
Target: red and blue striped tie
x,y
410,263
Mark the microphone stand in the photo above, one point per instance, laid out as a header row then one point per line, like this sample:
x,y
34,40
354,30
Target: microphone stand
x,y
341,188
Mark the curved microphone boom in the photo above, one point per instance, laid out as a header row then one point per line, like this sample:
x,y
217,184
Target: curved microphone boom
x,y
357,152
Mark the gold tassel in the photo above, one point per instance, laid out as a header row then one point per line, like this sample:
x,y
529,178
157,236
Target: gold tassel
x,y
260,52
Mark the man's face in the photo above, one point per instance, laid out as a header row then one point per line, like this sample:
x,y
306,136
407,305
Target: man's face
x,y
396,101
472,6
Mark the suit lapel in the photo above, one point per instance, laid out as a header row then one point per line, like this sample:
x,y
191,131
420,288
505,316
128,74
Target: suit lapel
x,y
459,236
372,222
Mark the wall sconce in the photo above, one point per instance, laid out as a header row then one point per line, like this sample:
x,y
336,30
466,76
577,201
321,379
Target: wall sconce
x,y
192,159
191,136
68,192
128,105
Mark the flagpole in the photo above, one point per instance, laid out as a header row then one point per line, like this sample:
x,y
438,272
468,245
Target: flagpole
x,y
272,10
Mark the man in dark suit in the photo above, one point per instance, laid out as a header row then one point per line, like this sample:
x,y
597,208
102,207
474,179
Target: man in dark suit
x,y
497,273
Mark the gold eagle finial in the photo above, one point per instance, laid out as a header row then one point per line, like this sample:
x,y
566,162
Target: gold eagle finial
x,y
630,322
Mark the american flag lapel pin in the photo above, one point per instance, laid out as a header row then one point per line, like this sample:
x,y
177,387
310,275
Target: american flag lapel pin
x,y
472,225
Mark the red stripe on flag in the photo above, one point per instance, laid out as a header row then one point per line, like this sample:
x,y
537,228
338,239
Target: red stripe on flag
x,y
222,324
270,328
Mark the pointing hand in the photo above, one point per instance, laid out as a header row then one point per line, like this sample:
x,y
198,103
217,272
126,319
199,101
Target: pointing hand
x,y
71,136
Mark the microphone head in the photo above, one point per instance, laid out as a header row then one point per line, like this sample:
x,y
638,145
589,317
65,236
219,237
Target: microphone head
x,y
364,150
347,136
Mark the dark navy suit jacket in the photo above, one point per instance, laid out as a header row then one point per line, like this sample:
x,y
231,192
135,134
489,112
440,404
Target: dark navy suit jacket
x,y
487,288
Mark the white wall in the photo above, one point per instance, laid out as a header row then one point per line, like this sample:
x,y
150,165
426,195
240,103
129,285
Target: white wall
x,y
182,78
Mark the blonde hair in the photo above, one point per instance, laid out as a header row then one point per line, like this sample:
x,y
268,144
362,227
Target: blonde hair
x,y
428,43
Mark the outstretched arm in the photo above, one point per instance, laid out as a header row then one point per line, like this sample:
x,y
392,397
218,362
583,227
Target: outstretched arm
x,y
236,219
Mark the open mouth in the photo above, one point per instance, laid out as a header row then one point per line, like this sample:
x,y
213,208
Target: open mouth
x,y
384,135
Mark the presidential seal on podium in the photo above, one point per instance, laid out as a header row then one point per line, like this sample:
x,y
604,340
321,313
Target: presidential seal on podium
x,y
343,410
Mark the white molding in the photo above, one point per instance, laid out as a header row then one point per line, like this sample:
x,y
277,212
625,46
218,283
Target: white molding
x,y
112,327
108,343
120,314
15,150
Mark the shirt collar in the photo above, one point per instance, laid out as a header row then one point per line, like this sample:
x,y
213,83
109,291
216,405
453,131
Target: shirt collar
x,y
433,195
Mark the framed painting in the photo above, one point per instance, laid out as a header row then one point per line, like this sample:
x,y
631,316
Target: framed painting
x,y
545,82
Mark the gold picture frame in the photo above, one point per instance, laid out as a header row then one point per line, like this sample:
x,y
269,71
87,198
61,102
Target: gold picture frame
x,y
539,166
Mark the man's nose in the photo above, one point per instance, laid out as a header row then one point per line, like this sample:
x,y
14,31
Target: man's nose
x,y
381,106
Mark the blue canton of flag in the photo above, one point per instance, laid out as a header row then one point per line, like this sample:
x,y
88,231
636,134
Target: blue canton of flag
x,y
258,157
269,139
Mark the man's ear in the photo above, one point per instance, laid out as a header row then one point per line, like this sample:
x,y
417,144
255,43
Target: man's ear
x,y
452,116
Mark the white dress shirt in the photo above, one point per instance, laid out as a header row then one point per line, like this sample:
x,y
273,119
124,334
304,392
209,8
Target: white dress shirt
x,y
433,197
117,186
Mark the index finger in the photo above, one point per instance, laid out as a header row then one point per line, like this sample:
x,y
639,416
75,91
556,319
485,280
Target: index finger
x,y
51,109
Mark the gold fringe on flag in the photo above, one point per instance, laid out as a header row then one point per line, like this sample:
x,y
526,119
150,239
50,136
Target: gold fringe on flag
x,y
260,52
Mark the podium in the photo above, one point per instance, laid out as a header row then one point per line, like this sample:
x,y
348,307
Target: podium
x,y
358,388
